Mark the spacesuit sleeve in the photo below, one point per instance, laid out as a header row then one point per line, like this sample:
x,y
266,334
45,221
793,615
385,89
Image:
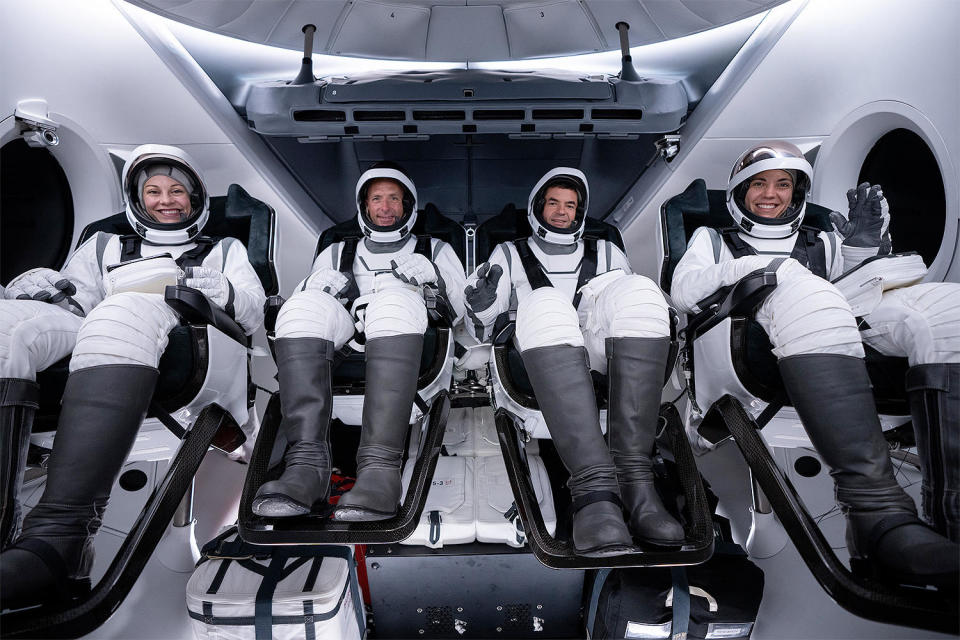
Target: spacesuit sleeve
x,y
249,296
454,280
324,260
479,322
836,267
84,270
699,274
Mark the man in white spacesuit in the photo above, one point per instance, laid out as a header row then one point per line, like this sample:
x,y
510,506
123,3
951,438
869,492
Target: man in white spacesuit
x,y
820,354
579,307
96,308
381,279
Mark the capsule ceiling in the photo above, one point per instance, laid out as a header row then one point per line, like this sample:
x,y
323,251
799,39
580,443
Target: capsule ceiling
x,y
456,30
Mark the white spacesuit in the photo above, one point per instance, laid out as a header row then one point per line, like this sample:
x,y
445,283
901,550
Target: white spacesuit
x,y
579,306
381,277
108,309
816,339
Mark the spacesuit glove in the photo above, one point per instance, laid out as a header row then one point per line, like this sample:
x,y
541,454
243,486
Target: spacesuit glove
x,y
413,268
211,283
44,285
482,294
868,220
329,281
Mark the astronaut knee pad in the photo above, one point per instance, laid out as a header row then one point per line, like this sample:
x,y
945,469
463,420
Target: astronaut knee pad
x,y
546,318
126,328
633,307
922,322
315,314
806,314
34,335
395,311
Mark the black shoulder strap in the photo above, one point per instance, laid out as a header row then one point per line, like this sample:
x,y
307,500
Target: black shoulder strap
x,y
735,243
810,252
588,267
196,256
531,266
130,247
348,253
423,247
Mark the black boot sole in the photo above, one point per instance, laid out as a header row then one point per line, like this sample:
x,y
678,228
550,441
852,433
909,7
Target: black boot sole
x,y
277,505
361,514
942,581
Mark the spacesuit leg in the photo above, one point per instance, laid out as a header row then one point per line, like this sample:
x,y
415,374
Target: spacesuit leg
x,y
311,326
33,336
113,375
551,346
395,322
633,318
922,322
822,365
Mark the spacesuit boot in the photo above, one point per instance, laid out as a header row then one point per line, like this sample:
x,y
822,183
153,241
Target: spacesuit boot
x,y
393,365
831,394
102,410
934,393
19,400
635,368
564,390
306,401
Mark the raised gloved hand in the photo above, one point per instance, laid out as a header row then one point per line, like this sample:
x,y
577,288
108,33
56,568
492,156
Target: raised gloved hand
x,y
413,268
44,285
481,295
210,282
329,281
868,220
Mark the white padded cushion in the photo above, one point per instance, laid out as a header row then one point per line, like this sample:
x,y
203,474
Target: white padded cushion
x,y
451,496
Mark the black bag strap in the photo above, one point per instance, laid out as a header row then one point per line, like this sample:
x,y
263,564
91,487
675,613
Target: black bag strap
x,y
681,603
598,582
263,607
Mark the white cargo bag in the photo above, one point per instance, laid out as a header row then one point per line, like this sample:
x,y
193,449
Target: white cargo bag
x,y
497,517
245,592
448,515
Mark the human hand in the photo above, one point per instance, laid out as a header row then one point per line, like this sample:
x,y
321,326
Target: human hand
x,y
210,282
481,295
868,220
413,268
329,281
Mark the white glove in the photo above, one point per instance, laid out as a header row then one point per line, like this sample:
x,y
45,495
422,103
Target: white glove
x,y
329,281
210,282
44,285
413,268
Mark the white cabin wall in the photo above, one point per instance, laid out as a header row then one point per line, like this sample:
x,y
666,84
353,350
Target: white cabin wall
x,y
885,63
110,91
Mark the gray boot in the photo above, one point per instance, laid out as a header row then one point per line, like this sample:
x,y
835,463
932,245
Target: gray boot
x,y
393,366
934,393
635,368
564,390
831,394
306,402
19,400
103,408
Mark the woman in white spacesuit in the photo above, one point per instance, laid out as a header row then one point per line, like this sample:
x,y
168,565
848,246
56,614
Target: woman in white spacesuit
x,y
580,307
820,354
381,279
95,308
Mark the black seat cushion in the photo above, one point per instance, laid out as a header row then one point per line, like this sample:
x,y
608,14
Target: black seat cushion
x,y
512,224
430,222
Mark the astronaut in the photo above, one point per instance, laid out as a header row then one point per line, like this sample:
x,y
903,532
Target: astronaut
x,y
382,279
579,306
819,347
96,307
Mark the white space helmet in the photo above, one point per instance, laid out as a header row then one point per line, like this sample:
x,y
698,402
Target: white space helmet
x,y
400,229
147,161
774,154
567,178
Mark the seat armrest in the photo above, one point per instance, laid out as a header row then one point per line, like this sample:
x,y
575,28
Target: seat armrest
x,y
195,308
271,308
738,299
505,334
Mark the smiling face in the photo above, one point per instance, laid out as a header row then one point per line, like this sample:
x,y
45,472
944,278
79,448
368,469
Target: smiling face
x,y
769,193
384,202
560,207
166,200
